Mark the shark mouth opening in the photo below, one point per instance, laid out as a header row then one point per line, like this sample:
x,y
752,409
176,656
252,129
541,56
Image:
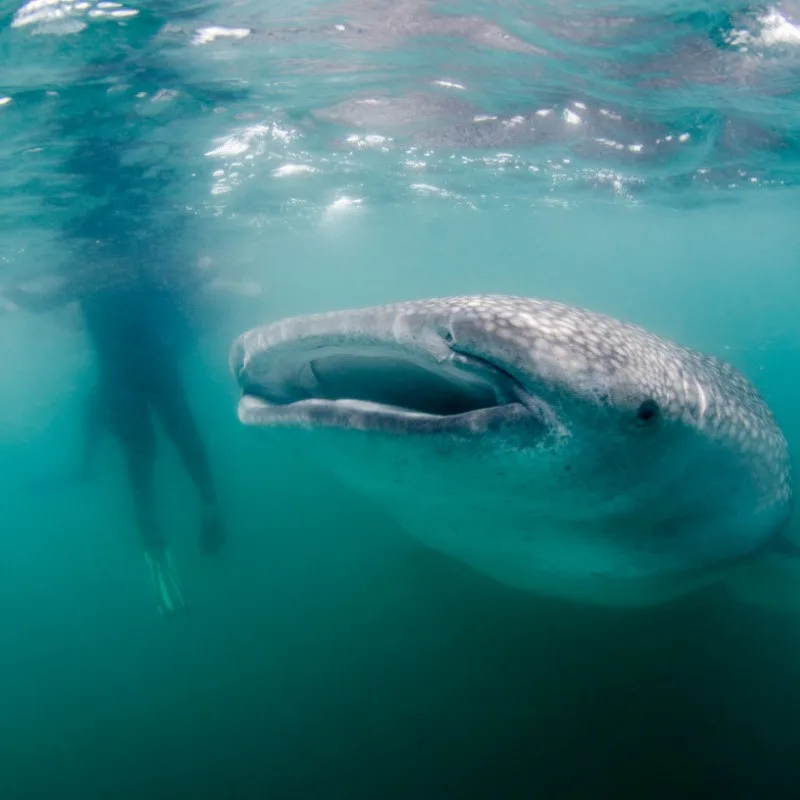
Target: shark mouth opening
x,y
378,388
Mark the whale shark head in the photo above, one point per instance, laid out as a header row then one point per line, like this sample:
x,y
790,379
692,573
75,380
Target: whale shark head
x,y
555,449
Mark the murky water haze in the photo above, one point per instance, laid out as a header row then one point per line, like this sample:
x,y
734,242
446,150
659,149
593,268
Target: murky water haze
x,y
638,160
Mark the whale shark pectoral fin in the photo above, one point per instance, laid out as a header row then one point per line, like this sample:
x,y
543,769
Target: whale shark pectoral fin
x,y
784,546
773,580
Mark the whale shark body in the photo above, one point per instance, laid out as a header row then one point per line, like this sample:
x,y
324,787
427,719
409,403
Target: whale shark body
x,y
554,449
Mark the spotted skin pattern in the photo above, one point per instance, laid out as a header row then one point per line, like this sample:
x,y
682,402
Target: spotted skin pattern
x,y
568,349
595,371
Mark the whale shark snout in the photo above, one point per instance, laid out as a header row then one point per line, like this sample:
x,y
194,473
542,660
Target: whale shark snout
x,y
554,449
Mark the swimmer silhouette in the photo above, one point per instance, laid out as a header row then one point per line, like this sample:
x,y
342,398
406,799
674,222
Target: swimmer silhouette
x,y
135,327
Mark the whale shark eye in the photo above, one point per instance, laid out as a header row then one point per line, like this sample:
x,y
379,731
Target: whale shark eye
x,y
647,411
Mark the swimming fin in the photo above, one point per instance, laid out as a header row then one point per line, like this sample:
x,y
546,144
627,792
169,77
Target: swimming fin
x,y
166,581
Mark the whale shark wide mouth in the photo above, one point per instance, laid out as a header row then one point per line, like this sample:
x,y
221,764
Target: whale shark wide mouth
x,y
374,387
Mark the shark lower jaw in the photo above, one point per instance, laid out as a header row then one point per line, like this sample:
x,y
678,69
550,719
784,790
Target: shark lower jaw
x,y
362,415
385,389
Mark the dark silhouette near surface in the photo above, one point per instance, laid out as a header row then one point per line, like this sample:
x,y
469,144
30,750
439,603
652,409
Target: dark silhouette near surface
x,y
138,330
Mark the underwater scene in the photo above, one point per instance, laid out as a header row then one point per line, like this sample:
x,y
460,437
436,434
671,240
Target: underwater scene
x,y
399,399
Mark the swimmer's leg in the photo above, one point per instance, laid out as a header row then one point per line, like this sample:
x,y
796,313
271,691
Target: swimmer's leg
x,y
136,435
169,400
133,428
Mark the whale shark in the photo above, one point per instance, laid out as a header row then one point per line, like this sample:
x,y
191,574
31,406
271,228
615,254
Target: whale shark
x,y
551,448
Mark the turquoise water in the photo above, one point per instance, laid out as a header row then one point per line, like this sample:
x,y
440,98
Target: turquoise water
x,y
639,159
